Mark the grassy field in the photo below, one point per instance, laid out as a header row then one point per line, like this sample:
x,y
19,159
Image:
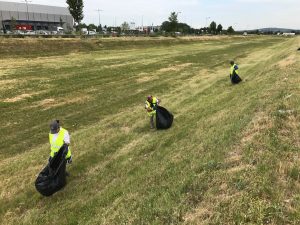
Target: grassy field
x,y
231,157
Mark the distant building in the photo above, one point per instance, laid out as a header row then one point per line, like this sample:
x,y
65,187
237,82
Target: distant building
x,y
34,17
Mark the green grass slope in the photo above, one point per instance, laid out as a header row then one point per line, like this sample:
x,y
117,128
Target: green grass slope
x,y
231,157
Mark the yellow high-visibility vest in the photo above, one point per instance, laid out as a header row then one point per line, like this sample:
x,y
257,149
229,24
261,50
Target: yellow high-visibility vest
x,y
58,143
154,103
232,70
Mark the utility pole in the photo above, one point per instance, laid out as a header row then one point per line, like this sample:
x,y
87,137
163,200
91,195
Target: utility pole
x,y
206,18
99,10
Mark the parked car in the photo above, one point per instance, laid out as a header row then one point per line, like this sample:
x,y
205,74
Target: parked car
x,y
20,32
43,32
31,32
91,32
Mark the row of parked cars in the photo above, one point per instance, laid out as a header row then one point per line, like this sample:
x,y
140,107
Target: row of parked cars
x,y
32,32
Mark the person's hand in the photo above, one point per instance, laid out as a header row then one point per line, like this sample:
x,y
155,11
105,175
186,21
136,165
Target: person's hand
x,y
69,160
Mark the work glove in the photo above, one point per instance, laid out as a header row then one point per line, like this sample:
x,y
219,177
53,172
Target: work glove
x,y
69,160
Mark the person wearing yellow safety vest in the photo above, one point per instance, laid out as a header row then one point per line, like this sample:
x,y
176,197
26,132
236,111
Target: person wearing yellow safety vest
x,y
150,105
234,73
59,136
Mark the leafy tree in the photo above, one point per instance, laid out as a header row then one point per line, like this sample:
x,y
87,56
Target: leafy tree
x,y
61,22
166,26
184,28
230,30
213,27
92,27
81,25
173,19
13,24
125,26
219,28
76,9
99,28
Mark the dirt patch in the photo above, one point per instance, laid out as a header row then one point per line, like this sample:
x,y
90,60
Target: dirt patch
x,y
175,67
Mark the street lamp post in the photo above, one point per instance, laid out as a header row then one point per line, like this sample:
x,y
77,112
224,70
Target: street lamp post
x,y
27,1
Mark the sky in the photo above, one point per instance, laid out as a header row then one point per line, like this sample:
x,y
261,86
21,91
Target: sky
x,y
241,14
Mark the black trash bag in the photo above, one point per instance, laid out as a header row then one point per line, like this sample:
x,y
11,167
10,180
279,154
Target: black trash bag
x,y
235,79
164,118
53,177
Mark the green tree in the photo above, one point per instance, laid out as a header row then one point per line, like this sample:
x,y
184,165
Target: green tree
x,y
125,26
81,25
92,27
76,10
173,19
219,28
213,27
100,28
166,26
13,24
184,28
61,22
230,30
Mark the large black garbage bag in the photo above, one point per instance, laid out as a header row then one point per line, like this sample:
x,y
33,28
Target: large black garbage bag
x,y
53,177
235,79
164,118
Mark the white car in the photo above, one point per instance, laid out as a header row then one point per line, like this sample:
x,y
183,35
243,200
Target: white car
x,y
19,32
91,32
42,32
31,32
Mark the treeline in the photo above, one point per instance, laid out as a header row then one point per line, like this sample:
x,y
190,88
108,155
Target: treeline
x,y
173,26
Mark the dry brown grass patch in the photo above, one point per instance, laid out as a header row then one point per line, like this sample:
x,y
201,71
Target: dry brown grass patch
x,y
289,132
198,216
6,83
144,77
17,98
175,67
289,61
51,103
260,122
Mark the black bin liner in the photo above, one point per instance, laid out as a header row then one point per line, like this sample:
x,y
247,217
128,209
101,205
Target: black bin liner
x,y
53,177
164,118
235,79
